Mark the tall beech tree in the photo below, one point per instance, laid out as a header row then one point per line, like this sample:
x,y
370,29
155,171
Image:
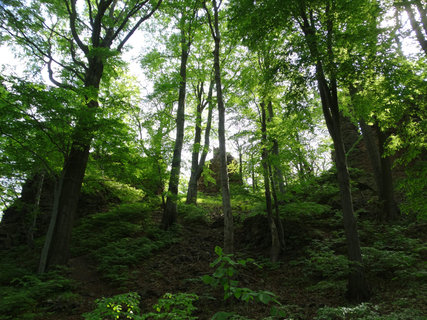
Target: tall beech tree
x,y
272,222
197,164
213,18
317,24
186,24
77,43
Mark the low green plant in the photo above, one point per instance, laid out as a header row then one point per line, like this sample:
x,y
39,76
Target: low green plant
x,y
192,213
27,297
115,258
366,311
362,311
224,276
125,306
174,306
122,306
95,230
388,263
222,315
323,263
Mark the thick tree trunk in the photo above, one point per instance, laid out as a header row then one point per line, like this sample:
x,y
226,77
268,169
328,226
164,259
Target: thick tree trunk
x,y
196,165
275,242
225,190
170,212
56,247
390,209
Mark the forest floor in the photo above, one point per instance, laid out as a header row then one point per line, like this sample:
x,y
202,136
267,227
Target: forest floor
x,y
121,249
179,267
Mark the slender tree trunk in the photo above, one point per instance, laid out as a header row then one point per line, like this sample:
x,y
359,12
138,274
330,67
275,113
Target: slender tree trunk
x,y
170,212
416,26
196,147
254,185
275,241
277,220
275,151
357,288
196,165
225,190
36,210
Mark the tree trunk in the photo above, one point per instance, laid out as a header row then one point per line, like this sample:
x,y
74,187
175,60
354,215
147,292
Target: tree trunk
x,y
196,165
225,190
170,212
275,151
277,220
56,246
254,184
416,26
275,242
390,209
357,288
36,210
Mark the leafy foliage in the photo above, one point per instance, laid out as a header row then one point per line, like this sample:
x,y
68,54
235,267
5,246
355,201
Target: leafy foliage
x,y
125,306
226,270
26,297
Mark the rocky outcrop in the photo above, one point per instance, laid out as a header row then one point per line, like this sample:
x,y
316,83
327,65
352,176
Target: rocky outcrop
x,y
210,180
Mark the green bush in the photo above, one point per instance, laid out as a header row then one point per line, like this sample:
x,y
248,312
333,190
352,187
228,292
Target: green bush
x,y
125,306
224,276
122,306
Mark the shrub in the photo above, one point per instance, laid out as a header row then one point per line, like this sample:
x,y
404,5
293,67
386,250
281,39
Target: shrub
x,y
125,306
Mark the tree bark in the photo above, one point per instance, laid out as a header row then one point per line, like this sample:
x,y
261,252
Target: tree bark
x,y
275,151
196,164
275,242
225,190
357,288
389,206
416,26
170,212
56,247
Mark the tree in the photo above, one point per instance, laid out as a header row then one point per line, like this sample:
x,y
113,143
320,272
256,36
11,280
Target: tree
x,y
275,240
197,164
78,45
317,24
225,190
186,25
